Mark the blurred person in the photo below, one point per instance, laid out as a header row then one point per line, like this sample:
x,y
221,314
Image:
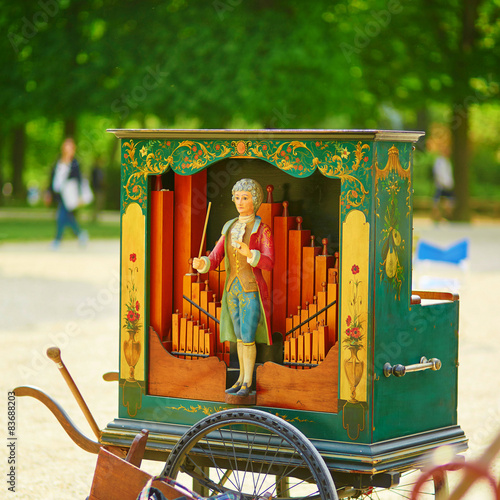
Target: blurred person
x,y
65,182
442,173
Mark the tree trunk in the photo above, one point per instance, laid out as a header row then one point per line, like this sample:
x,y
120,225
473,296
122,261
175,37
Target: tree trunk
x,y
422,123
70,128
460,116
18,153
113,172
460,159
73,35
2,169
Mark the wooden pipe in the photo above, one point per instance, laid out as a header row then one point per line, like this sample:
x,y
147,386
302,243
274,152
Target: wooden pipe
x,y
54,353
269,190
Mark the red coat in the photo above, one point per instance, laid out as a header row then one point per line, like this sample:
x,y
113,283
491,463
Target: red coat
x,y
261,240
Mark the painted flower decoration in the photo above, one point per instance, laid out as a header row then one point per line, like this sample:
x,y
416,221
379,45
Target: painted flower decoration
x,y
354,332
133,306
133,316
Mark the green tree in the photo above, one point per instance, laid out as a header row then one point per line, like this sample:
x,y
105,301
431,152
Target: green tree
x,y
422,52
15,108
275,64
270,63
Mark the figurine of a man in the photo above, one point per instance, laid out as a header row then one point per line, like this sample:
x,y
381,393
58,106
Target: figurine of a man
x,y
247,246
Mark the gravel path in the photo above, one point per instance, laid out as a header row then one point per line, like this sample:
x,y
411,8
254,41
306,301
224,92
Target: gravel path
x,y
69,298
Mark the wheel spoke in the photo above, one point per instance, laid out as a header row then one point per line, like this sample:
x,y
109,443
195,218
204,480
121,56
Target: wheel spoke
x,y
258,475
269,462
222,479
249,461
233,478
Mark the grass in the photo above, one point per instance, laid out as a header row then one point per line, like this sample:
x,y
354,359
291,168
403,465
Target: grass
x,y
39,225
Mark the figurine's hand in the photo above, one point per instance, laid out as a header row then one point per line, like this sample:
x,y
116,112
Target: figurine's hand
x,y
198,264
244,250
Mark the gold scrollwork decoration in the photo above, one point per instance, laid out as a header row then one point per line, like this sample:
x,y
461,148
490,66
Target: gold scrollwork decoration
x,y
294,419
135,191
335,167
201,155
281,155
393,166
206,410
300,158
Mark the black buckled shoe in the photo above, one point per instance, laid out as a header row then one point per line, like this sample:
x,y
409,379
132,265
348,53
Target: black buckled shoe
x,y
244,391
234,389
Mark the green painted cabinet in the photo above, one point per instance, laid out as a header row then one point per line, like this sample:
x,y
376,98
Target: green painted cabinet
x,y
353,187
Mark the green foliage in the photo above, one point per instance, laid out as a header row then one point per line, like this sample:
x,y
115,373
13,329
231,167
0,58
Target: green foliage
x,y
105,64
485,165
430,52
423,184
210,60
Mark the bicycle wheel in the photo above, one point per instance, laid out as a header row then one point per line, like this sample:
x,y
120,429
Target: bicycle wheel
x,y
253,453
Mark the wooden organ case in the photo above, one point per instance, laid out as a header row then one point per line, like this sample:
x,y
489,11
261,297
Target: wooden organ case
x,y
339,205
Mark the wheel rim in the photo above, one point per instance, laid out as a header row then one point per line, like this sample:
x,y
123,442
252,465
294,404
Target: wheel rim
x,y
253,453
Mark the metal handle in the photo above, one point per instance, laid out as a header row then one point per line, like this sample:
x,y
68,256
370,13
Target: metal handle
x,y
401,370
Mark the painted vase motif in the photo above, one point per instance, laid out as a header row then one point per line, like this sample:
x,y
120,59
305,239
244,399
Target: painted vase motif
x,y
132,352
354,368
